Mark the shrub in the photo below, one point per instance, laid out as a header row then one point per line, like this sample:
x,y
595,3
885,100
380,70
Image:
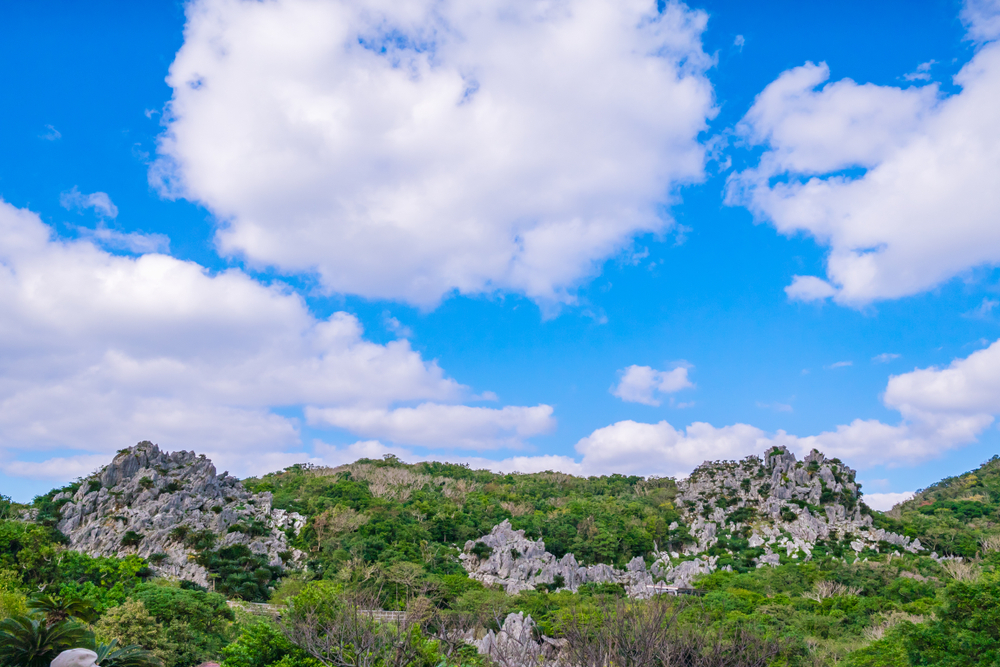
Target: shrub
x,y
260,644
195,623
30,642
131,539
482,550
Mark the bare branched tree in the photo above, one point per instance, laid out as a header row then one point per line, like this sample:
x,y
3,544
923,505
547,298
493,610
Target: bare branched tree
x,y
344,633
830,589
637,633
621,632
452,629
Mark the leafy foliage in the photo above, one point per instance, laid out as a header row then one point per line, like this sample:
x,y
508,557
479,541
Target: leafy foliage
x,y
26,641
383,534
239,573
953,515
113,655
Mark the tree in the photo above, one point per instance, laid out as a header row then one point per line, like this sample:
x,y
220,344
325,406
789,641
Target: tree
x,y
113,655
131,624
58,608
966,632
195,623
31,642
343,632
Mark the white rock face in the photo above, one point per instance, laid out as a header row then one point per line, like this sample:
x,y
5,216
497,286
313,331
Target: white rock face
x,y
765,498
515,644
152,493
518,564
778,505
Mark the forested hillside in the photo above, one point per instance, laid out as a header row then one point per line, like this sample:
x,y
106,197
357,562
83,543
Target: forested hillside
x,y
794,569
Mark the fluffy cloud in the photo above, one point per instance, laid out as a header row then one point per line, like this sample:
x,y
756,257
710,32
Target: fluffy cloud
x,y
659,449
406,150
941,409
333,456
898,182
435,425
98,351
968,387
638,383
885,501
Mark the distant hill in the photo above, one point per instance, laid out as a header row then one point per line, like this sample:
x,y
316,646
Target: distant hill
x,y
193,524
954,515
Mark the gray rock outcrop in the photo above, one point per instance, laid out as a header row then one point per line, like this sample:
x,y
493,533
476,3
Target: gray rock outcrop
x,y
515,644
517,564
156,504
779,506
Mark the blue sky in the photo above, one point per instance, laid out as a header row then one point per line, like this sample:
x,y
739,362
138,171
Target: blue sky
x,y
308,243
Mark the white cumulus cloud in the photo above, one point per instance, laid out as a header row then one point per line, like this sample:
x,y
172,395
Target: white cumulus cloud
x,y
900,183
941,409
638,383
436,425
885,501
99,351
407,150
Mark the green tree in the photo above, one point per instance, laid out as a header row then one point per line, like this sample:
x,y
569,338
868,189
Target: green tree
x,y
130,623
114,655
57,609
260,644
195,623
31,642
966,632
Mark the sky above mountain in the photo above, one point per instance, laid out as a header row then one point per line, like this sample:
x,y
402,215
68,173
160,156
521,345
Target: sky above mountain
x,y
594,236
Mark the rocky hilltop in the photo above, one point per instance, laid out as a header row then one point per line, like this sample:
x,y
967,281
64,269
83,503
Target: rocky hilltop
x,y
163,506
756,512
780,505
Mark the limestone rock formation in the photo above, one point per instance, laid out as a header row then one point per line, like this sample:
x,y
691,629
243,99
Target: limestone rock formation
x,y
776,508
150,503
517,564
779,504
515,644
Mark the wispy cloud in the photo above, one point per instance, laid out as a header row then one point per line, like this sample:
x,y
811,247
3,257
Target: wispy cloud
x,y
50,134
136,242
395,326
922,73
99,201
886,501
885,357
983,310
839,364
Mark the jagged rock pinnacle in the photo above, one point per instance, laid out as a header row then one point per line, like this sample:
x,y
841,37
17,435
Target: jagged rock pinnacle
x,y
151,499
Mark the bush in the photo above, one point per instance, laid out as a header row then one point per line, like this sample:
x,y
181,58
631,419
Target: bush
x,y
260,644
131,539
131,624
195,623
30,642
966,632
240,573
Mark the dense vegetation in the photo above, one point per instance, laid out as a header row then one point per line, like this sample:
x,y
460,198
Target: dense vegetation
x,y
386,511
952,516
382,534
